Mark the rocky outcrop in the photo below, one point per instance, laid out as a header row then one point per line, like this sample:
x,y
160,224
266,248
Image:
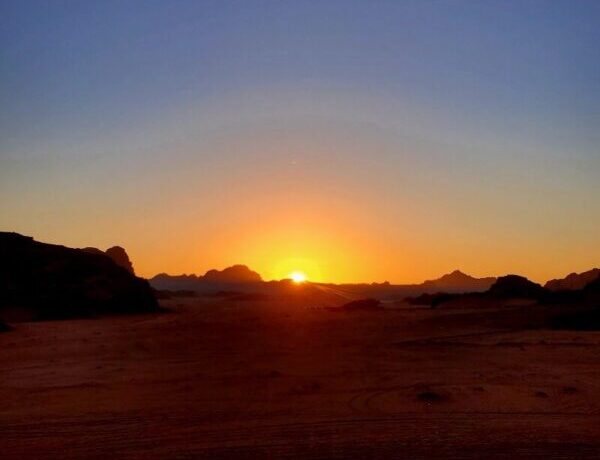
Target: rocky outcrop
x,y
236,277
516,286
44,281
116,253
573,281
233,274
505,287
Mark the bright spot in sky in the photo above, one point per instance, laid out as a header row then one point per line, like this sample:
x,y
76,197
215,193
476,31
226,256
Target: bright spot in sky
x,y
298,277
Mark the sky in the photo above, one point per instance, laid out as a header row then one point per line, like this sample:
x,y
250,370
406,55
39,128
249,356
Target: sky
x,y
351,140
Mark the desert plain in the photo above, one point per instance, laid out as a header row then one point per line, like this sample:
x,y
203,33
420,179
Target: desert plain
x,y
218,378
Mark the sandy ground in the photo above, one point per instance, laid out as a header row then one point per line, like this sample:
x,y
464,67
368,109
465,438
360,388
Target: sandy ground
x,y
216,379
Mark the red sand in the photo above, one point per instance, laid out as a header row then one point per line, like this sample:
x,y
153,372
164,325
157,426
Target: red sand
x,y
216,379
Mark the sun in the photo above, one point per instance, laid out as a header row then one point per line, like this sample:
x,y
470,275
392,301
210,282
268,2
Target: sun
x,y
297,277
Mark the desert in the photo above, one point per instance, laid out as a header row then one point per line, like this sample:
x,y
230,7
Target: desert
x,y
299,229
217,377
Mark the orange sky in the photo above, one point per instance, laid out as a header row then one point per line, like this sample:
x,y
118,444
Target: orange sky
x,y
322,208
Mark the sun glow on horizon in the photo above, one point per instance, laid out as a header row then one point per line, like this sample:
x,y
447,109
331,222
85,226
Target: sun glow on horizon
x,y
298,277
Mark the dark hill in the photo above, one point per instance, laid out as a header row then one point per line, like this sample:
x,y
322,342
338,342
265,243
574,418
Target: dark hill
x,y
573,281
517,287
233,274
235,278
505,287
44,281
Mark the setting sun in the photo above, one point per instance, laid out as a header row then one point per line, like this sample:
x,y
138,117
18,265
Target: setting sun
x,y
298,277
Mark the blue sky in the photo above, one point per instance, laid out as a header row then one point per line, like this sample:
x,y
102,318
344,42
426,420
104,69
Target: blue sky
x,y
490,99
67,64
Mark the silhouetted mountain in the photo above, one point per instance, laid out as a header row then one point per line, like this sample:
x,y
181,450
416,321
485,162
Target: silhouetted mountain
x,y
455,283
516,286
505,287
237,278
240,278
458,281
4,327
573,281
45,281
116,253
233,274
164,281
232,288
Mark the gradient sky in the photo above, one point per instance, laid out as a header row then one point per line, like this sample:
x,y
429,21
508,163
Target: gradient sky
x,y
356,141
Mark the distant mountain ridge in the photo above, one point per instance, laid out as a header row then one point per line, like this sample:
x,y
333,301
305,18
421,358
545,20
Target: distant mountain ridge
x,y
213,279
233,274
573,281
241,278
458,280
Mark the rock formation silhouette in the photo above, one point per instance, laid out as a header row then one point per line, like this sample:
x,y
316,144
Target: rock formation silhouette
x,y
516,286
41,281
233,274
116,253
505,287
235,278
